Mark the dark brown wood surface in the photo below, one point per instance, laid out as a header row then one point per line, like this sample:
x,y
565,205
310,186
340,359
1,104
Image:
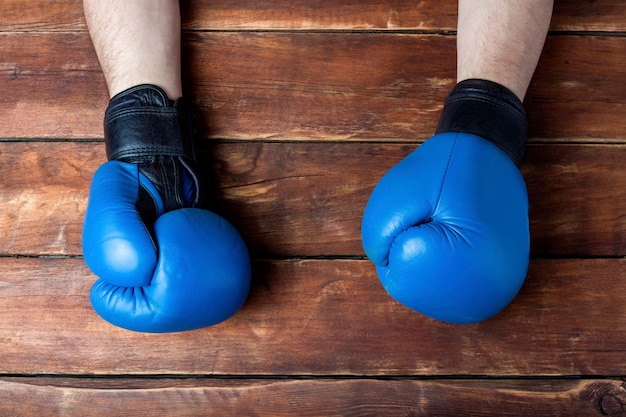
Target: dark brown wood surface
x,y
302,398
64,15
292,86
301,108
321,317
258,186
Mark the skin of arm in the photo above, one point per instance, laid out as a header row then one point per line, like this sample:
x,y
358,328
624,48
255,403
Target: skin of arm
x,y
137,42
501,40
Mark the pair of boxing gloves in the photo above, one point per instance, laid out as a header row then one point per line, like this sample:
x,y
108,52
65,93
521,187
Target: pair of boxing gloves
x,y
447,227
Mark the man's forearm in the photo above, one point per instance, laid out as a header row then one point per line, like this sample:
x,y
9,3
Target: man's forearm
x,y
501,41
137,42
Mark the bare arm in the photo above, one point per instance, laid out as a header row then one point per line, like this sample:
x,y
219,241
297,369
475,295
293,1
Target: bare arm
x,y
137,42
501,40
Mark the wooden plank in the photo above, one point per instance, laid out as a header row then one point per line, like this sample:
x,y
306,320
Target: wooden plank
x,y
64,15
320,317
301,398
278,86
583,15
57,94
568,15
575,94
41,15
44,190
319,86
575,205
570,212
311,86
574,209
329,15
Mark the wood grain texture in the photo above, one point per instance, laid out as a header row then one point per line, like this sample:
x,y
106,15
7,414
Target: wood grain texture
x,y
57,94
568,15
312,86
389,15
316,15
589,16
43,192
319,86
41,15
307,199
302,398
317,318
575,94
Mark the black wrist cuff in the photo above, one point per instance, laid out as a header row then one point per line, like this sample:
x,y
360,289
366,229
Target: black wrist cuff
x,y
489,110
142,122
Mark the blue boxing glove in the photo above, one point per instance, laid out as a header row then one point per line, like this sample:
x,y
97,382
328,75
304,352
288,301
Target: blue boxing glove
x,y
164,265
447,227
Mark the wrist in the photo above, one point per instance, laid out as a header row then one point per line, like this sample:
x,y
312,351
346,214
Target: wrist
x,y
489,110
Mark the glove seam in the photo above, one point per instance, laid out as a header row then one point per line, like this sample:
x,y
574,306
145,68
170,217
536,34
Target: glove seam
x,y
445,174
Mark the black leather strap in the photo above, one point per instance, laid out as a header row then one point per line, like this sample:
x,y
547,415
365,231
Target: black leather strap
x,y
488,110
142,122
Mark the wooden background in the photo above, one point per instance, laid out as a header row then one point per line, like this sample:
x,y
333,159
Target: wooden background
x,y
303,106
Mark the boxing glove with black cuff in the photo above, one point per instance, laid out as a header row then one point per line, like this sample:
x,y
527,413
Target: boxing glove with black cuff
x,y
447,227
164,264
